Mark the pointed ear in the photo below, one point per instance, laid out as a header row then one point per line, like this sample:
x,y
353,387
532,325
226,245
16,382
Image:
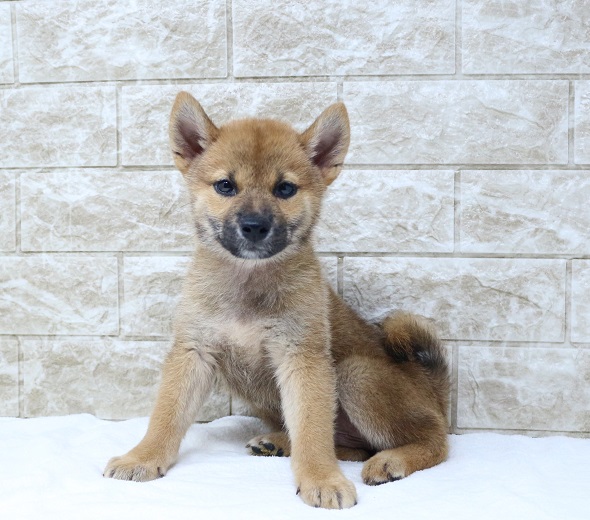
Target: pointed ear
x,y
191,131
327,139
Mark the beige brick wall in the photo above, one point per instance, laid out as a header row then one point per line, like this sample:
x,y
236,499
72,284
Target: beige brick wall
x,y
465,195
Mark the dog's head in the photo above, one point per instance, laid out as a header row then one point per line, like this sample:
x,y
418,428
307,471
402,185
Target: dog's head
x,y
256,185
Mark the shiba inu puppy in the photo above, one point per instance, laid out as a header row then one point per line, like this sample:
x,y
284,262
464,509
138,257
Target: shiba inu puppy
x,y
257,313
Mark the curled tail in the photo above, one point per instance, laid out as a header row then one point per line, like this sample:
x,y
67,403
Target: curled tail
x,y
409,337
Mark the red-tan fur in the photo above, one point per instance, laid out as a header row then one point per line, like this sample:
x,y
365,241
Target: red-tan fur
x,y
277,334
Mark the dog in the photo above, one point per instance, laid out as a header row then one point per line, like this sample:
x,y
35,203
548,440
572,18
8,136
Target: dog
x,y
256,312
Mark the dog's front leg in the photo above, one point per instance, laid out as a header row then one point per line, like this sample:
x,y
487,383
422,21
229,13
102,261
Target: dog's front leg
x,y
307,384
187,378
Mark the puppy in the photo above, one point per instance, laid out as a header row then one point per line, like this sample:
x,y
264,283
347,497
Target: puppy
x,y
256,312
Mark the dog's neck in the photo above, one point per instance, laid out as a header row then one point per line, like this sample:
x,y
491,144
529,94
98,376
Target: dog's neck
x,y
255,283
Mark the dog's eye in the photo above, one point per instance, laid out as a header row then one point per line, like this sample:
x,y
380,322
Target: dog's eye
x,y
285,190
225,187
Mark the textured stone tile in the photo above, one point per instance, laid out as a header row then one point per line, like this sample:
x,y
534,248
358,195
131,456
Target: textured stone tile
x,y
449,355
544,212
146,111
524,388
330,269
216,405
581,301
384,211
323,38
582,122
58,295
8,377
520,36
450,122
8,212
480,299
6,63
111,379
58,126
152,287
104,210
94,40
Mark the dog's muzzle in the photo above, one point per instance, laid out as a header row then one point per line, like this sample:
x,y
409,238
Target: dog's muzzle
x,y
254,235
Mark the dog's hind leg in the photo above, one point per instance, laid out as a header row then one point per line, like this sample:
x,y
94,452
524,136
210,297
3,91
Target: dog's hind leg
x,y
277,444
396,413
352,454
397,463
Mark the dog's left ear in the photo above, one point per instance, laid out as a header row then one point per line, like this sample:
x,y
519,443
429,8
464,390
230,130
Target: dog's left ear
x,y
326,141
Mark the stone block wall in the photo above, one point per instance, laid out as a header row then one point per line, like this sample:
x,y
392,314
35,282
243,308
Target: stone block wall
x,y
464,197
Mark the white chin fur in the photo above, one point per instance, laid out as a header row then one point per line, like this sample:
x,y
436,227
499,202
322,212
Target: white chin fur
x,y
251,255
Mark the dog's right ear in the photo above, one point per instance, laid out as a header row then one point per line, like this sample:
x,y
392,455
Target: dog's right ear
x,y
191,131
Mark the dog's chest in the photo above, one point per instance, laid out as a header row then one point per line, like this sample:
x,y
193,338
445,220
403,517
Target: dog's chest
x,y
246,362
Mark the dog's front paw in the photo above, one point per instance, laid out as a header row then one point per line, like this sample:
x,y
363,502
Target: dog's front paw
x,y
131,467
334,492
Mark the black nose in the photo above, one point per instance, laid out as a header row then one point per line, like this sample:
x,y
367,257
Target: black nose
x,y
255,227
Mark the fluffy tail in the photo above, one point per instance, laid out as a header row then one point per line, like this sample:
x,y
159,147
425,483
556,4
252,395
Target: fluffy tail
x,y
409,337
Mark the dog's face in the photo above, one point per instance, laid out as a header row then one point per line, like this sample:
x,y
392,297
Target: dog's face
x,y
256,185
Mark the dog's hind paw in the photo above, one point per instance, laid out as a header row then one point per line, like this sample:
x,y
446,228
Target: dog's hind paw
x,y
274,444
381,468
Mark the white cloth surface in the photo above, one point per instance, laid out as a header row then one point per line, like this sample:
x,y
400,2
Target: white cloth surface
x,y
52,468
